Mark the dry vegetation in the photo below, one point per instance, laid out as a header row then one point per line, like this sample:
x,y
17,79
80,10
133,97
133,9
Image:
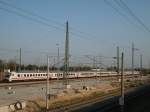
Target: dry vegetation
x,y
69,96
72,96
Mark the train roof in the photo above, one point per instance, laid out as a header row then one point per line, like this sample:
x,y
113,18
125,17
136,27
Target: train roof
x,y
53,71
29,71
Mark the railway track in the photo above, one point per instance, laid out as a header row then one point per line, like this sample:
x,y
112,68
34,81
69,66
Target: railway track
x,y
77,106
21,83
3,84
108,103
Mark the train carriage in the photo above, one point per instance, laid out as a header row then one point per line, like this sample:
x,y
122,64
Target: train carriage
x,y
25,76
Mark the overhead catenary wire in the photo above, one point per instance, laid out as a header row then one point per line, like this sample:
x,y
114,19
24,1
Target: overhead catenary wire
x,y
41,22
30,51
123,5
29,13
38,16
44,20
44,23
30,18
135,17
122,14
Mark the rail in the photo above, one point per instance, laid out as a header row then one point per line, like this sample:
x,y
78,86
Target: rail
x,y
107,103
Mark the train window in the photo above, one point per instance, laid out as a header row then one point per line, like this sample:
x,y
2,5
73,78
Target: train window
x,y
33,74
18,75
30,75
27,75
24,75
41,74
38,74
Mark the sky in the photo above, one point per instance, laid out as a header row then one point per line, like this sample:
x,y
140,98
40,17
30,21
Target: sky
x,y
95,29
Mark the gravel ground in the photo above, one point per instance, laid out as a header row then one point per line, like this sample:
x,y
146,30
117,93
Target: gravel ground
x,y
11,94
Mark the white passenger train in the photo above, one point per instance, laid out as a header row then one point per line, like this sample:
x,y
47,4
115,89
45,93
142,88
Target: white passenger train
x,y
25,76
